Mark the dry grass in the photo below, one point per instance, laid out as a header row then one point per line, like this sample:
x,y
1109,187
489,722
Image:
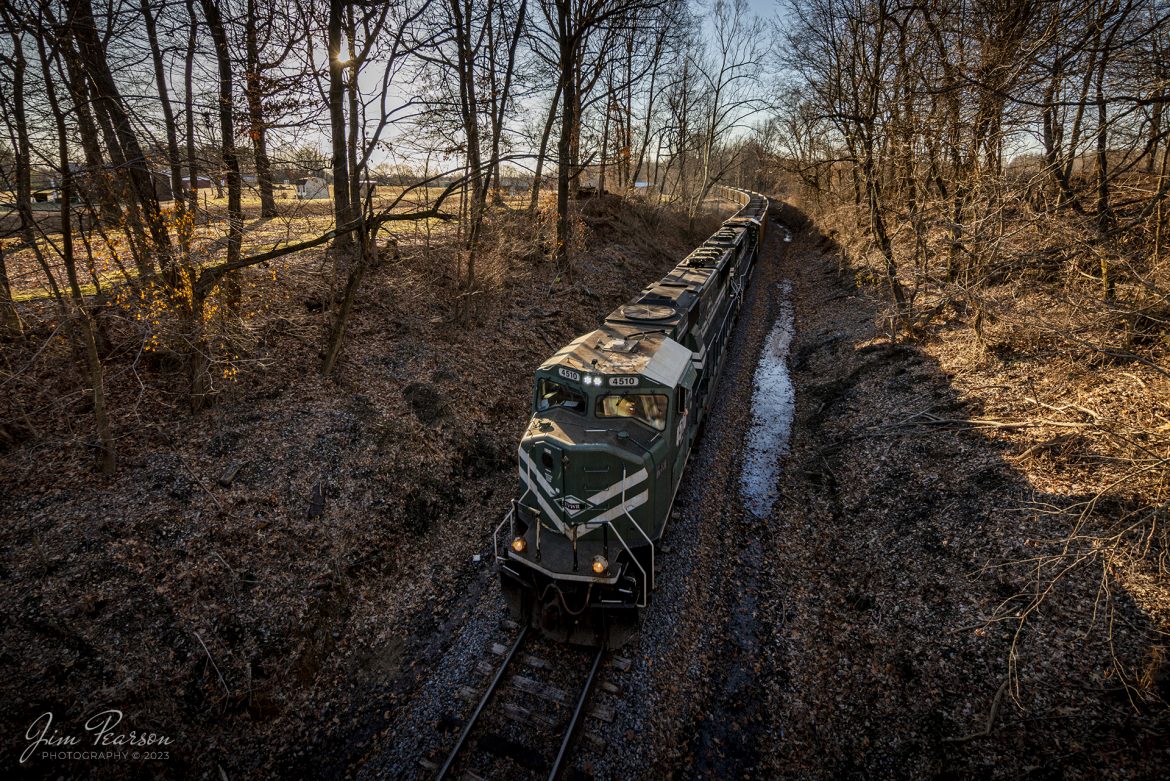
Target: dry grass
x,y
103,251
1075,385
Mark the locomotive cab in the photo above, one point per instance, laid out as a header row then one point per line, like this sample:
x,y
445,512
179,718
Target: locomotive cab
x,y
598,467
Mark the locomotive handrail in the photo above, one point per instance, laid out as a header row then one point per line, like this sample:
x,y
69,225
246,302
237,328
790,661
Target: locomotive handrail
x,y
528,482
626,510
645,594
496,534
651,544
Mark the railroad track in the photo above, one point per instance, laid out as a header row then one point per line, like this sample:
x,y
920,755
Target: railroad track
x,y
527,719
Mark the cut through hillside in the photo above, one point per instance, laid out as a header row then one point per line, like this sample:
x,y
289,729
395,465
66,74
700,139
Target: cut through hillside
x,y
260,579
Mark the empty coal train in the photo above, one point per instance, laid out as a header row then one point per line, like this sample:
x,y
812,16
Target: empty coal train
x,y
615,414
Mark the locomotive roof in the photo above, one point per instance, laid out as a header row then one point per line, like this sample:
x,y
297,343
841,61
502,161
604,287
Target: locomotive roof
x,y
706,256
624,349
692,277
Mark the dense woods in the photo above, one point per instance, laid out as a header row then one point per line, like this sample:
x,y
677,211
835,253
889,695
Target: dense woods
x,y
956,125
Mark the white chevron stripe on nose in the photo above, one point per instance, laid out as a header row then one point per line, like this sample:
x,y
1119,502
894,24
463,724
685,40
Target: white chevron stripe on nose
x,y
544,505
601,497
526,461
631,504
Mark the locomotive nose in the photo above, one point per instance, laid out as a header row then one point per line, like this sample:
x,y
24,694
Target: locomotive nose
x,y
577,485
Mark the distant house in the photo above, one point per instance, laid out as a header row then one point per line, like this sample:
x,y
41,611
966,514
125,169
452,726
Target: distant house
x,y
516,184
53,195
162,184
312,188
368,189
46,183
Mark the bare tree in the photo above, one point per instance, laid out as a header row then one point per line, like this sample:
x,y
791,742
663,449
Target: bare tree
x,y
574,27
729,78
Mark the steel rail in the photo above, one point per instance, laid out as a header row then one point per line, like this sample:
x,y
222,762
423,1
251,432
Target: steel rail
x,y
575,722
474,717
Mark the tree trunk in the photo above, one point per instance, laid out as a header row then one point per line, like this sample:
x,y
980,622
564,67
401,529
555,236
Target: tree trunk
x,y
604,141
23,162
502,102
341,320
231,162
258,129
82,27
461,15
192,190
97,178
645,145
564,160
10,324
353,116
80,313
540,156
123,206
574,159
160,77
342,207
1104,212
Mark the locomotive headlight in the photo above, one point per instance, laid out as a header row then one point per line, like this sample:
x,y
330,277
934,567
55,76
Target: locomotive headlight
x,y
600,565
519,545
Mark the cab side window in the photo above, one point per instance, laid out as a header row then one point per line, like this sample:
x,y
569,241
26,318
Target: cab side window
x,y
550,394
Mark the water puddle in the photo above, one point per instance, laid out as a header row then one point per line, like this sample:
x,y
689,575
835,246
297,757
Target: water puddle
x,y
773,406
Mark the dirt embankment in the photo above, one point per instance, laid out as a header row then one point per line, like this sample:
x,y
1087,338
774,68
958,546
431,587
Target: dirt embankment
x,y
285,622
905,552
263,581
869,627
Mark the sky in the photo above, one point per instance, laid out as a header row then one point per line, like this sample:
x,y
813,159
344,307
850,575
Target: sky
x,y
371,82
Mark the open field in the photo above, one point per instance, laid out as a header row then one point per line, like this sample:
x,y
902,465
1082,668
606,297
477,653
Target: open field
x,y
104,255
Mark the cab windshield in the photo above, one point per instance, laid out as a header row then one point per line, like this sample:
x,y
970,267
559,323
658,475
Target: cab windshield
x,y
648,408
550,394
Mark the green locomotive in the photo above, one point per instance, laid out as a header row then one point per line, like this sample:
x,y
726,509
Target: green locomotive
x,y
615,415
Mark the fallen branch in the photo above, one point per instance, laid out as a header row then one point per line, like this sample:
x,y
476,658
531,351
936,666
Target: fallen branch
x,y
214,666
195,477
991,716
1001,424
